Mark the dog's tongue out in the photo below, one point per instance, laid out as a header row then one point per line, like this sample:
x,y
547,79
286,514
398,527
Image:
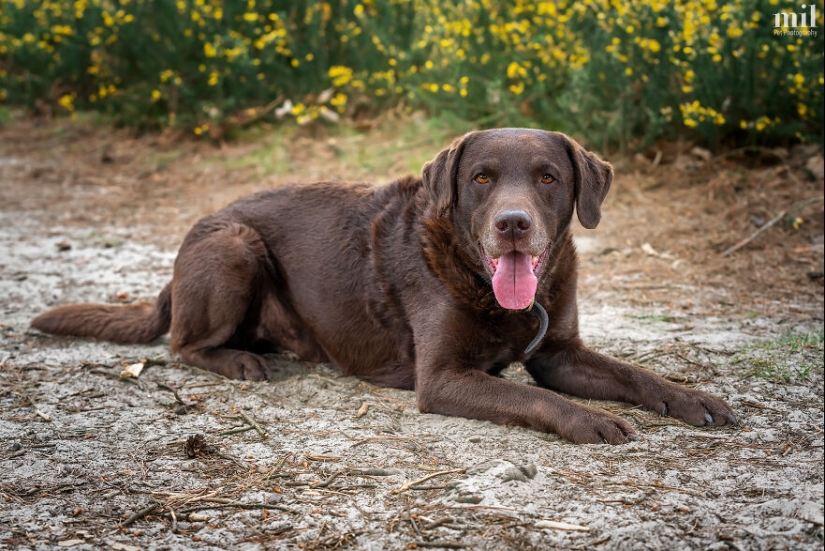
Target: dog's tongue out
x,y
514,282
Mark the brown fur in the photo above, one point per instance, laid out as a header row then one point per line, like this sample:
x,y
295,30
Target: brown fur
x,y
390,284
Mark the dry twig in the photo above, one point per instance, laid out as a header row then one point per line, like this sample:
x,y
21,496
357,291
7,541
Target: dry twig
x,y
254,425
408,485
140,514
792,209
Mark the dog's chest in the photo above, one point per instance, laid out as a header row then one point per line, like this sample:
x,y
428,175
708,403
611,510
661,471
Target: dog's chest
x,y
502,339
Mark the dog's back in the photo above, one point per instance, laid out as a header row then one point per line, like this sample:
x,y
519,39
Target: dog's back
x,y
320,259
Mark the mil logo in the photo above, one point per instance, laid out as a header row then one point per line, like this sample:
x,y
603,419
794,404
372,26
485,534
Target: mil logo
x,y
795,24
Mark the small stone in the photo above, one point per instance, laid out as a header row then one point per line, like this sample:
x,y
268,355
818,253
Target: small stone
x,y
701,153
278,527
530,471
513,473
482,467
816,166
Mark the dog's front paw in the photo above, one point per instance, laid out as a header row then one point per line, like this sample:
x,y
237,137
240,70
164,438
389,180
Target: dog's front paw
x,y
694,407
589,426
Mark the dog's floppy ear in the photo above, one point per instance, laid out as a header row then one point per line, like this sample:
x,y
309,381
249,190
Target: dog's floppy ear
x,y
441,174
593,179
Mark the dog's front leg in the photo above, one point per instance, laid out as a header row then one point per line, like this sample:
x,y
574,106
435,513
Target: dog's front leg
x,y
579,371
465,392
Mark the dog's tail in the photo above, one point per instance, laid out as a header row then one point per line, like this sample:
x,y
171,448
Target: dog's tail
x,y
127,324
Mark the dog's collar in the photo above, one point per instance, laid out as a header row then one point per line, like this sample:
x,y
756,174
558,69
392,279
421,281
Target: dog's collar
x,y
544,323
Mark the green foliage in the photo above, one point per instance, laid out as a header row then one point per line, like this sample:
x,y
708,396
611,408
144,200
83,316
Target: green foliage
x,y
655,318
615,71
786,359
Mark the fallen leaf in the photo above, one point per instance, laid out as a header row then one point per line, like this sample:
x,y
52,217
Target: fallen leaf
x,y
132,370
69,543
648,249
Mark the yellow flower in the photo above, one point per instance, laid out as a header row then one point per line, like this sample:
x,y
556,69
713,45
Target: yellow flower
x,y
66,101
340,75
250,17
209,50
735,32
515,70
155,95
690,123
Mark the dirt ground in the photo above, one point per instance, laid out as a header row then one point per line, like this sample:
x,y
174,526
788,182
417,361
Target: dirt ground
x,y
183,459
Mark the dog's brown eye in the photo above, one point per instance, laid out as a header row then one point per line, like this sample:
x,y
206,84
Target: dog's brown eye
x,y
481,178
547,179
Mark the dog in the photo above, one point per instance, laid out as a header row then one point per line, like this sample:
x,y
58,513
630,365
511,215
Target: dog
x,y
428,283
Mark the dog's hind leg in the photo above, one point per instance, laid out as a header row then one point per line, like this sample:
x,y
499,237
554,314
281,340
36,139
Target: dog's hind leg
x,y
215,295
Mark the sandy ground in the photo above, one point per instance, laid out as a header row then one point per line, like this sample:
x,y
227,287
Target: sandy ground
x,y
183,459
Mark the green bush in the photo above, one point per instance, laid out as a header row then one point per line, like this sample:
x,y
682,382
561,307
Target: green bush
x,y
619,72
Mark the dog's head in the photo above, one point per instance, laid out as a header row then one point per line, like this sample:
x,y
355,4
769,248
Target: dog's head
x,y
511,193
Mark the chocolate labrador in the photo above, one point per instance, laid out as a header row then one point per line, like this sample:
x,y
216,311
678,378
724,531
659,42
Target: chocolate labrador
x,y
433,283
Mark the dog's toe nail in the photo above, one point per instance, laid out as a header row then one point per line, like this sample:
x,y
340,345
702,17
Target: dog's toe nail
x,y
708,419
732,420
664,411
632,437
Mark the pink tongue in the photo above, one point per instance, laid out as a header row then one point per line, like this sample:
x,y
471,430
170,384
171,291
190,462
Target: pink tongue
x,y
514,282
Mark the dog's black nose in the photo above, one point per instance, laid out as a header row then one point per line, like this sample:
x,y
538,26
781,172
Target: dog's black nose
x,y
513,223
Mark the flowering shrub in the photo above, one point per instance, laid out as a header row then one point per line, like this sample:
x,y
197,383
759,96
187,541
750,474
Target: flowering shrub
x,y
613,69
